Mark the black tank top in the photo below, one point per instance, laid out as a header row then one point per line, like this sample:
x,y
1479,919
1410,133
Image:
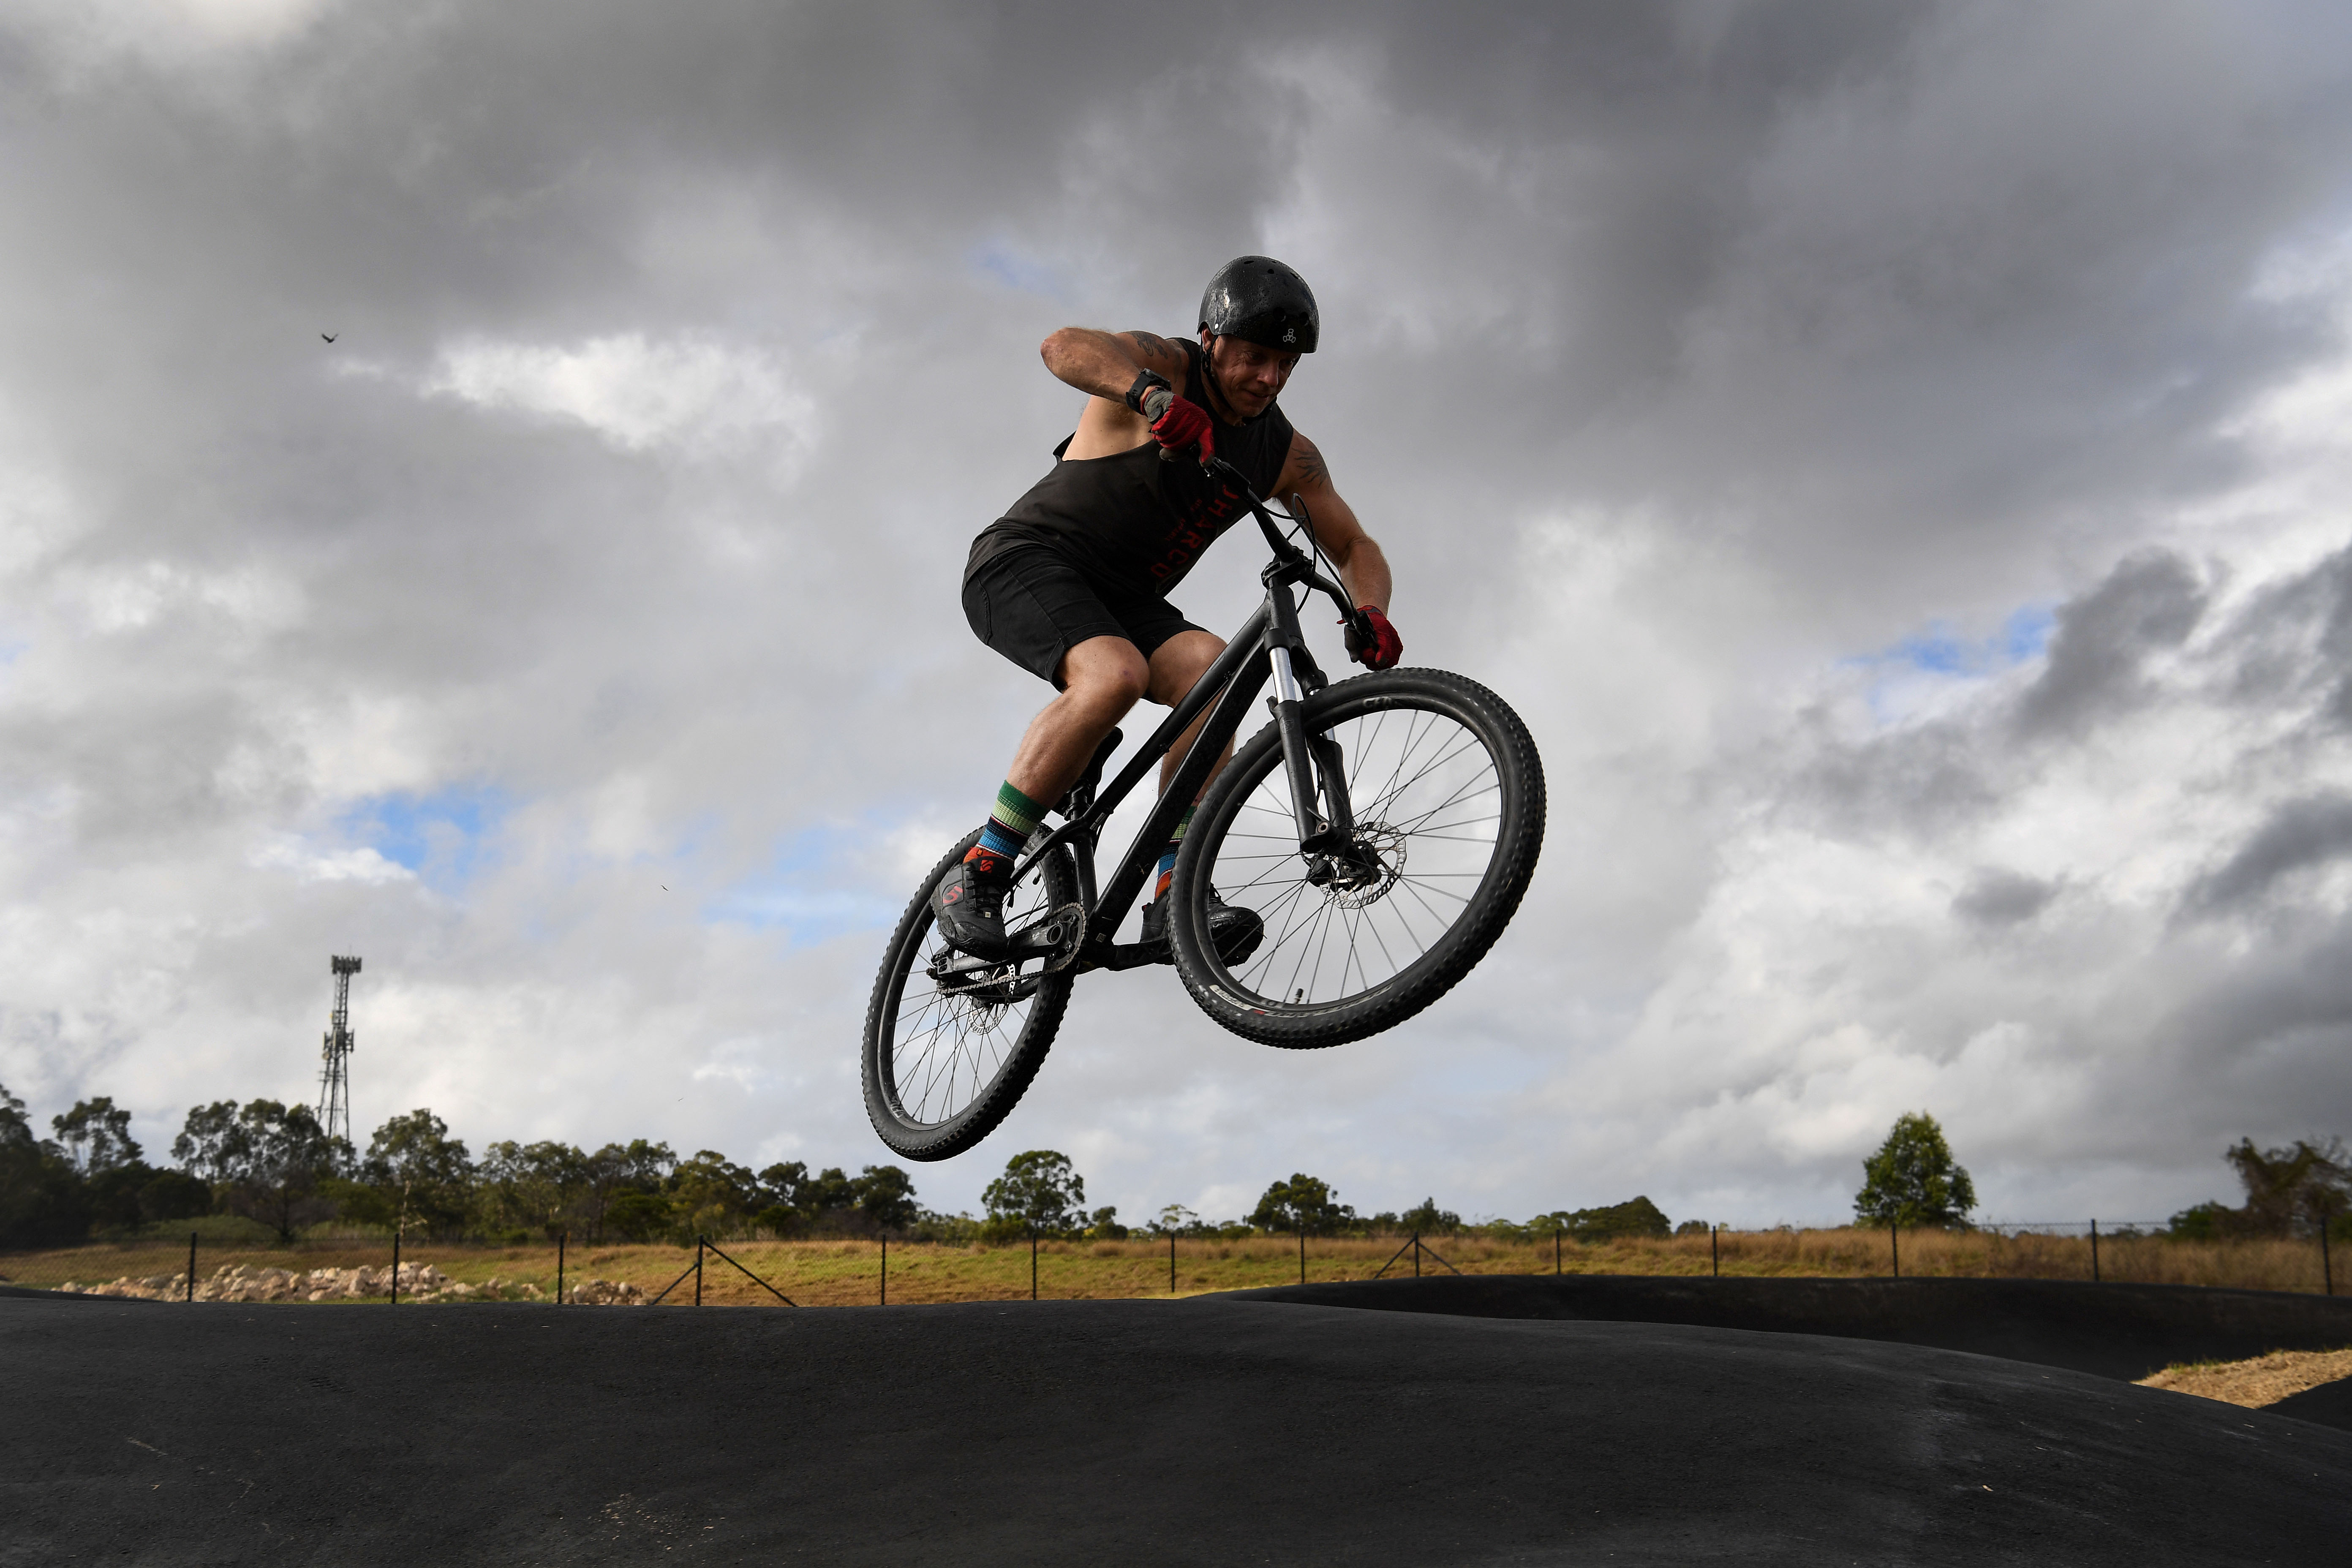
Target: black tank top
x,y
1131,523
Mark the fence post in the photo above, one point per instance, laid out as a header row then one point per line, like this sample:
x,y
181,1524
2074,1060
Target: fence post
x,y
1172,1263
395,1265
1416,1255
560,1237
1555,1251
1033,1263
886,1271
2094,1252
1302,1252
1715,1251
1894,1247
697,1271
2326,1268
192,1264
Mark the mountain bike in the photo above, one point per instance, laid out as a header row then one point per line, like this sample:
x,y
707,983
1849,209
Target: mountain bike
x,y
1382,829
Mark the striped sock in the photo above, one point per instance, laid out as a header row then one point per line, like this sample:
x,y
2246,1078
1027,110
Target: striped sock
x,y
1168,857
1010,823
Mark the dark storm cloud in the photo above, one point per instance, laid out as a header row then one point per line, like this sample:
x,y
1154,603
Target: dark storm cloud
x,y
1919,782
2149,605
2301,834
1996,899
2294,642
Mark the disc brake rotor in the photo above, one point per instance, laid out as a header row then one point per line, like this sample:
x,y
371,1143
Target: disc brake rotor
x,y
1376,867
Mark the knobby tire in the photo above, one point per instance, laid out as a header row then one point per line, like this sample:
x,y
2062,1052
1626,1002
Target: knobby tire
x,y
1456,849
923,1045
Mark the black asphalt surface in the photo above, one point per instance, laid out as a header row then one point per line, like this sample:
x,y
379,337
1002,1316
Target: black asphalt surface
x,y
2113,1330
1212,1431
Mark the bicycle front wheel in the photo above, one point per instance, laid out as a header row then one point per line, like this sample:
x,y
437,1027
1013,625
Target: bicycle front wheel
x,y
951,1046
1447,794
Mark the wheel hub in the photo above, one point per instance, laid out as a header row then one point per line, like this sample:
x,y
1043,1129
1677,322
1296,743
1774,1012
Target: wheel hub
x,y
1363,873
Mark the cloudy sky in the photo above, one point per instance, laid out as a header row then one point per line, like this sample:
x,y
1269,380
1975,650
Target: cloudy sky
x,y
1894,455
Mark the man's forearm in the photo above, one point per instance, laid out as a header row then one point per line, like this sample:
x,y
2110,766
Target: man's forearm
x,y
1094,361
1365,574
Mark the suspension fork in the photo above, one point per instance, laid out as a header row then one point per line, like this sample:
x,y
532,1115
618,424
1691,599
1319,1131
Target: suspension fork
x,y
1315,765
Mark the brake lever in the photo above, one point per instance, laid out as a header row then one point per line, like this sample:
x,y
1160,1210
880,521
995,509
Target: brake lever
x,y
1209,466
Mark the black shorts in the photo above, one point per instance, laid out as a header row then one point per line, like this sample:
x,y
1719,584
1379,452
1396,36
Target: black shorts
x,y
1033,606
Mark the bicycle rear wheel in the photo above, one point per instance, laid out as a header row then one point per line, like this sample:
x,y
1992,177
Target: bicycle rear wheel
x,y
948,1052
1447,792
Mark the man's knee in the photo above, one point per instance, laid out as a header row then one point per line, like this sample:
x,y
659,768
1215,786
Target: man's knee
x,y
1105,672
1181,660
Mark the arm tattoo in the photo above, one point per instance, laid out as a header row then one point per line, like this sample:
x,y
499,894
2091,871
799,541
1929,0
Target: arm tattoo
x,y
1311,470
1151,342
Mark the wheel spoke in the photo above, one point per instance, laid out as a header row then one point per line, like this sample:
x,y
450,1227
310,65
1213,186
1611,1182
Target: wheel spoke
x,y
946,1046
1429,819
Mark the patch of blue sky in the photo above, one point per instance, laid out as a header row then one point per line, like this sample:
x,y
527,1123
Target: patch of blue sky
x,y
999,262
818,886
440,835
1904,678
2026,634
1940,650
1943,650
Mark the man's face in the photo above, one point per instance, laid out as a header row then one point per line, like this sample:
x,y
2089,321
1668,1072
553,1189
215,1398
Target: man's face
x,y
1249,375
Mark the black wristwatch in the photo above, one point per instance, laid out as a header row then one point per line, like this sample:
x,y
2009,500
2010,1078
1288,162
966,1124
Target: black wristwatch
x,y
1144,384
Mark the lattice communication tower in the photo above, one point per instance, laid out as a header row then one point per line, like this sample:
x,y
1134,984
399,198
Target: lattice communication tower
x,y
335,1079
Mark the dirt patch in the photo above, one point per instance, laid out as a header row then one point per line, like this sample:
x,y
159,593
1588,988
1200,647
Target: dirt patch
x,y
2265,1380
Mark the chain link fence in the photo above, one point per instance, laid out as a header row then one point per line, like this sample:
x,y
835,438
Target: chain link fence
x,y
192,1267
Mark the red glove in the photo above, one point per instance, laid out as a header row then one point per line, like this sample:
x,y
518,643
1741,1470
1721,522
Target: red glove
x,y
1385,648
1179,424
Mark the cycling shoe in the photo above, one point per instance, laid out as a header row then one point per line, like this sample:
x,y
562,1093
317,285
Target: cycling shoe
x,y
969,904
1237,931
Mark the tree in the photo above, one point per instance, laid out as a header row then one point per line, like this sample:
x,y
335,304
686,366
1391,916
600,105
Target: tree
x,y
1635,1217
636,1216
529,1186
96,1137
614,1171
416,1176
783,1186
174,1195
1302,1203
711,1194
1912,1180
1039,1191
211,1146
1176,1220
879,1198
283,1156
1427,1219
886,1197
41,1200
2290,1190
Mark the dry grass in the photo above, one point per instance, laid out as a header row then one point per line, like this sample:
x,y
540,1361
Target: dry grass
x,y
846,1273
2264,1380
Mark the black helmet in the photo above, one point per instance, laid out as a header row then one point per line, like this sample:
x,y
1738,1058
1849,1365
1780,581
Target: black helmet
x,y
1258,300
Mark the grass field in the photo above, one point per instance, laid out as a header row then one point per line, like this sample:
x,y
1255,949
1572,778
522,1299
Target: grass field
x,y
844,1273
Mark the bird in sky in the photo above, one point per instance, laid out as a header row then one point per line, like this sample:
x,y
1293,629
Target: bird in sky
x,y
328,336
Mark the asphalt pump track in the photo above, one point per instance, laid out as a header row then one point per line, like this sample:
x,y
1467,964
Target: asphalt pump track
x,y
1520,1421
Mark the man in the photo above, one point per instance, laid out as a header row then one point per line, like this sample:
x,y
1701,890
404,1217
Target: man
x,y
1071,583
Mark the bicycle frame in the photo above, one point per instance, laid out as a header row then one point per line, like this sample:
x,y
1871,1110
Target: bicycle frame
x,y
1268,647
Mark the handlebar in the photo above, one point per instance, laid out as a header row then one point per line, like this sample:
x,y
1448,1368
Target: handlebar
x,y
1289,554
